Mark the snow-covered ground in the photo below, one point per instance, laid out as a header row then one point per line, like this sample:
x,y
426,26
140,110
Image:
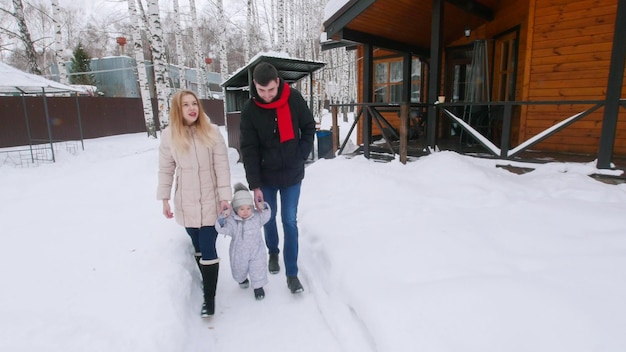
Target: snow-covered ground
x,y
444,254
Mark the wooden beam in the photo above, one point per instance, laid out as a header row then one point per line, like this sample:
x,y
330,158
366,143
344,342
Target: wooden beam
x,y
360,37
368,97
407,63
335,129
613,89
475,8
404,135
434,75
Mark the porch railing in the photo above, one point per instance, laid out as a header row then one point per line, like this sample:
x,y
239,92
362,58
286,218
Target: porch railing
x,y
504,110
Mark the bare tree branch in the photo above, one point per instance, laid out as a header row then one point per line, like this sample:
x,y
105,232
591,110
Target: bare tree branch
x,y
31,54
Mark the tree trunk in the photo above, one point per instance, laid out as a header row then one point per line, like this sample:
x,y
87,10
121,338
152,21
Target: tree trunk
x,y
159,61
345,82
198,52
223,52
144,85
58,44
29,46
280,22
249,29
180,54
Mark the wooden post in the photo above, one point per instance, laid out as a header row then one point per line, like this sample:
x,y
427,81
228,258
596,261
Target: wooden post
x,y
404,118
335,129
506,131
434,75
613,90
368,97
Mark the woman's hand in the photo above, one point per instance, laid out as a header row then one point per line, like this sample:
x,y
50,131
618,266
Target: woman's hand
x,y
225,207
167,212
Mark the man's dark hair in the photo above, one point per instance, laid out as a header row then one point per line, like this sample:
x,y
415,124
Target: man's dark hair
x,y
264,73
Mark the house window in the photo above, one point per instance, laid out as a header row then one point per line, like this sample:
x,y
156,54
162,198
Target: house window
x,y
381,85
458,68
416,81
505,67
388,83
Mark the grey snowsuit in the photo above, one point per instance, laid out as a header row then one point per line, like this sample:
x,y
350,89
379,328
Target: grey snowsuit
x,y
247,247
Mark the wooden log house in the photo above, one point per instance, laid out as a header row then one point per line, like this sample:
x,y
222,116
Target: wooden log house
x,y
542,75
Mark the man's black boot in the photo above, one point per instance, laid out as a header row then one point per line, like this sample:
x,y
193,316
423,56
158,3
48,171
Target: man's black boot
x,y
273,266
294,284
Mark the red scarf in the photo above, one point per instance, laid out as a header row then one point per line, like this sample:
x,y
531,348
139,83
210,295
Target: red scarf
x,y
283,112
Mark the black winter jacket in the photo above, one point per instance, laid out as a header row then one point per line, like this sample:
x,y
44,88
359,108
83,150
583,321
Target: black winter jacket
x,y
267,161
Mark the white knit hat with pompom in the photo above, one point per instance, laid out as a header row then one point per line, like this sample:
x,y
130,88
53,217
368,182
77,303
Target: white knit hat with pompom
x,y
241,196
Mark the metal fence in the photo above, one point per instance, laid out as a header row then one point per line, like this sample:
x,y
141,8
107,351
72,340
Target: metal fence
x,y
23,122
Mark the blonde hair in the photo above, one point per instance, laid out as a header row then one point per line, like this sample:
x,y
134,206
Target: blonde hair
x,y
181,139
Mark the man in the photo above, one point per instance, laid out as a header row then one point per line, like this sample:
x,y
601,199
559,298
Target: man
x,y
276,138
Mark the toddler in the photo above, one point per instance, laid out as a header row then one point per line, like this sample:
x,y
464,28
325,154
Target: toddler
x,y
247,246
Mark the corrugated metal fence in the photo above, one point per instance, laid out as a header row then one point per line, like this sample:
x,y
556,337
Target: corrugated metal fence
x,y
99,117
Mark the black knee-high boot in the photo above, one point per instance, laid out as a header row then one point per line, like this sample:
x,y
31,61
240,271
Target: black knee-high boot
x,y
210,270
197,256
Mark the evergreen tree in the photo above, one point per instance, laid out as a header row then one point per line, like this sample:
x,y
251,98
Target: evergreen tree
x,y
80,67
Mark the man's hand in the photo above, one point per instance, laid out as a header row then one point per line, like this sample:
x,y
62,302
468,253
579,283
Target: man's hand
x,y
258,199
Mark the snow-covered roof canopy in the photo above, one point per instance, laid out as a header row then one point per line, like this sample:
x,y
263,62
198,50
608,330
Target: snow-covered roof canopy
x,y
289,68
17,81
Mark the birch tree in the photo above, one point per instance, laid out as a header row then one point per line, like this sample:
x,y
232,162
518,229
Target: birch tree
x,y
293,29
143,15
222,41
159,61
198,51
141,12
144,85
6,36
280,24
58,43
345,81
223,53
312,32
249,29
180,54
29,46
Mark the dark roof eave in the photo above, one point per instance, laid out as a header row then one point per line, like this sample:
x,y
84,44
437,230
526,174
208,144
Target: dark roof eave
x,y
360,37
345,15
334,44
292,70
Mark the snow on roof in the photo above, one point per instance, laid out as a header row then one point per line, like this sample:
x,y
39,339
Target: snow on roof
x,y
17,81
332,7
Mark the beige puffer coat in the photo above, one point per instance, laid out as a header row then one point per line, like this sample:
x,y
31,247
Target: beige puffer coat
x,y
202,178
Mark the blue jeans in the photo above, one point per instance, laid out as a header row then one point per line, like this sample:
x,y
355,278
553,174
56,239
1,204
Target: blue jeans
x,y
289,197
203,240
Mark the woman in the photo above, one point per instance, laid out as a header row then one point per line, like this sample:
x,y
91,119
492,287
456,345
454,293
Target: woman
x,y
193,149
